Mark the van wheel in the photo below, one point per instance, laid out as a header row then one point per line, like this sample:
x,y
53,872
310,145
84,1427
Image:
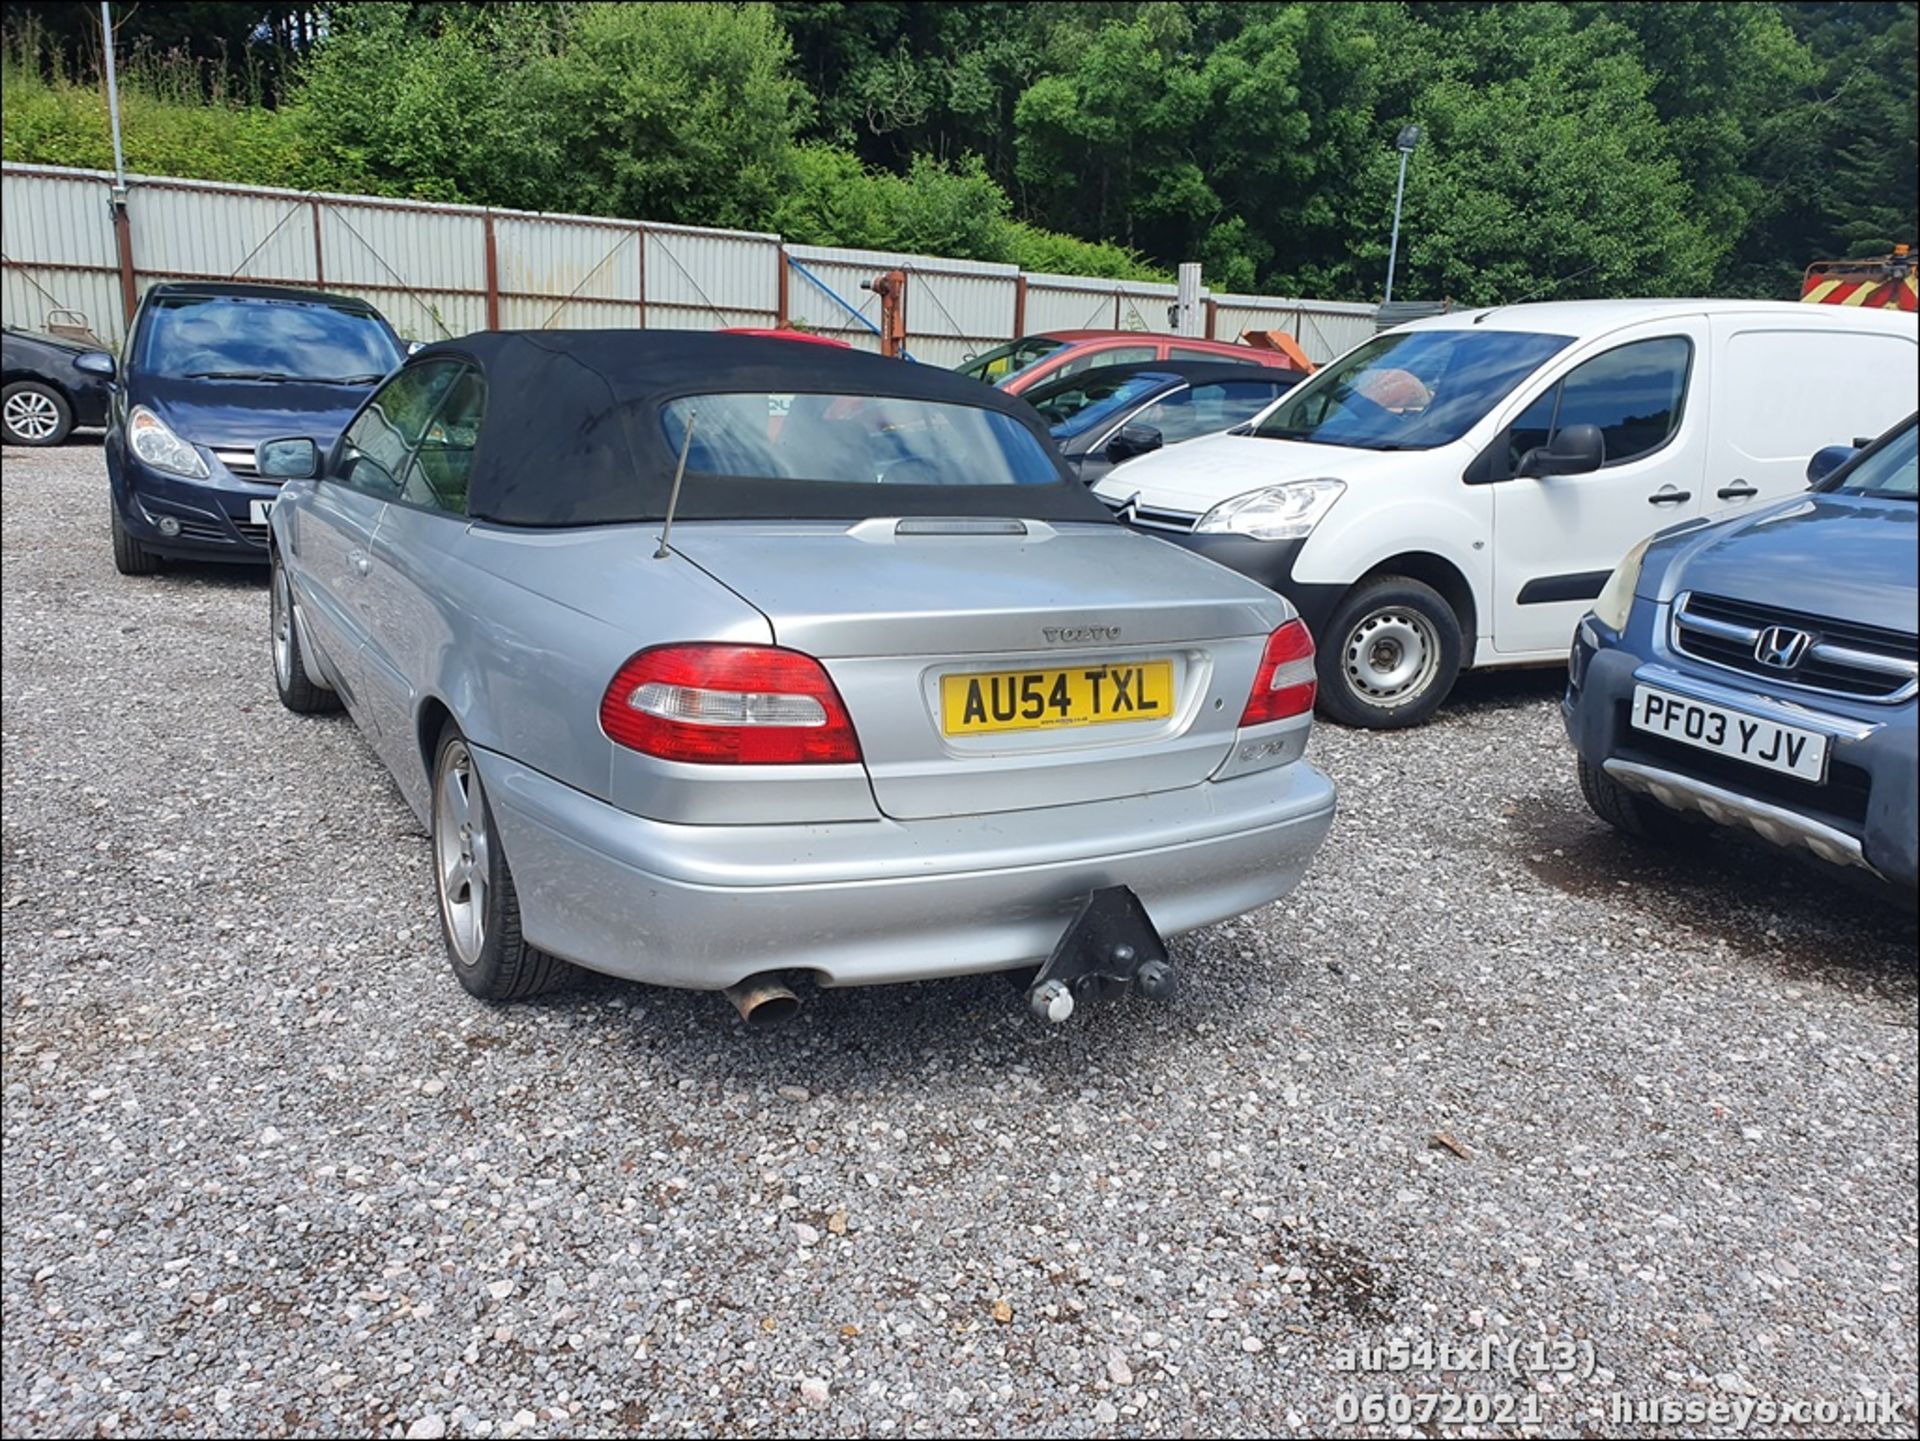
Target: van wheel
x,y
1641,817
1390,655
479,908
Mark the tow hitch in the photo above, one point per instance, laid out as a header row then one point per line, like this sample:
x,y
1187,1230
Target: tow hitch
x,y
1110,946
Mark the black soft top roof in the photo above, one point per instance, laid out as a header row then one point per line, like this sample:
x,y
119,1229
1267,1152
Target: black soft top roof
x,y
572,433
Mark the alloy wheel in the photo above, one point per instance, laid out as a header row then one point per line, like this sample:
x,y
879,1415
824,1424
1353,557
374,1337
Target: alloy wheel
x,y
31,415
462,848
282,629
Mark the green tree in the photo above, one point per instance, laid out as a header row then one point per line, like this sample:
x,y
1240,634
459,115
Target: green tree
x,y
673,112
683,112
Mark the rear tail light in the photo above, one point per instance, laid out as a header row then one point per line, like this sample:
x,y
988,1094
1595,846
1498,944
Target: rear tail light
x,y
1285,684
728,705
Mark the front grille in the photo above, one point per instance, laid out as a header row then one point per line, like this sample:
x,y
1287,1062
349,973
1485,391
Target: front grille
x,y
1843,658
237,459
1151,517
252,534
1840,803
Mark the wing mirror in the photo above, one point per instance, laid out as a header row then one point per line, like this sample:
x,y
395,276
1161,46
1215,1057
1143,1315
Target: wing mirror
x,y
1827,460
95,362
293,458
1577,450
1132,440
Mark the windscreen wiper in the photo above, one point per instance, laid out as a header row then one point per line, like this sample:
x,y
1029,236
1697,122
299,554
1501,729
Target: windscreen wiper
x,y
273,375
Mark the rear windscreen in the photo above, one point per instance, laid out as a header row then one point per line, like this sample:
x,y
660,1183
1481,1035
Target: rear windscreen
x,y
854,439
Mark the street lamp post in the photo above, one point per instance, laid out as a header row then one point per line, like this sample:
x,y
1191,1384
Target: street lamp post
x,y
1408,137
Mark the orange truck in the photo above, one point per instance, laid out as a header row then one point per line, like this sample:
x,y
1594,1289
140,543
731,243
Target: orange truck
x,y
1885,282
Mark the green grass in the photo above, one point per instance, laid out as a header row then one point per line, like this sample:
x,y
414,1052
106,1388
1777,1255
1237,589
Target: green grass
x,y
167,122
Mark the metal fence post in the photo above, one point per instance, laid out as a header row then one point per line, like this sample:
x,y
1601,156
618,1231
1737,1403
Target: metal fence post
x,y
493,271
780,287
640,248
319,269
123,246
1020,305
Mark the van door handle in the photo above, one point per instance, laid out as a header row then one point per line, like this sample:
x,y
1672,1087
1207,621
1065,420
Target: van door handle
x,y
1667,495
1739,490
360,561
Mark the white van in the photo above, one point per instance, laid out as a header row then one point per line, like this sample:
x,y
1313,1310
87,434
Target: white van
x,y
1454,493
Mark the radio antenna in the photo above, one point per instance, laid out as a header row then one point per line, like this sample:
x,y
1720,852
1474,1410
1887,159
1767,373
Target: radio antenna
x,y
679,474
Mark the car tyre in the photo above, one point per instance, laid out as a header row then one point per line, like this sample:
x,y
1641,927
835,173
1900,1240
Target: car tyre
x,y
473,885
1639,816
1390,655
299,691
34,414
129,556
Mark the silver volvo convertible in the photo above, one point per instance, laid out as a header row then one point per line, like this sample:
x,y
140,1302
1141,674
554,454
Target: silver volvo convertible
x,y
717,661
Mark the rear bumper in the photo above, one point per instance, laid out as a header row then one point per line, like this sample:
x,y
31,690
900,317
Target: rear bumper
x,y
866,902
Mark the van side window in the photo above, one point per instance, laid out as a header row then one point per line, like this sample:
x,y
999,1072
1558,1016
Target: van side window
x,y
1634,393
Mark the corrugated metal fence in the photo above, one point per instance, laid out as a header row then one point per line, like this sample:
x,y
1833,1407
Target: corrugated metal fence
x,y
446,270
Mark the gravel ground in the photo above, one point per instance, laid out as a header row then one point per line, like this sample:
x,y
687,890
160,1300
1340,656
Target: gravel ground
x,y
268,1170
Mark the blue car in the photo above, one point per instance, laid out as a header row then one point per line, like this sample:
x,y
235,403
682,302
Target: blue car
x,y
211,370
1760,672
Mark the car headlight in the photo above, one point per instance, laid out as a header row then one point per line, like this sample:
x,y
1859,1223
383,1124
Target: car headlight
x,y
1615,601
1280,512
159,447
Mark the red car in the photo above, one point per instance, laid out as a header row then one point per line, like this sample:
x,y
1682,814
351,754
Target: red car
x,y
1034,358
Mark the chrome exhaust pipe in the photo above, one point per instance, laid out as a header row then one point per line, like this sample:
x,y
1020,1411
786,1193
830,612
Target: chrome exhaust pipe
x,y
763,1001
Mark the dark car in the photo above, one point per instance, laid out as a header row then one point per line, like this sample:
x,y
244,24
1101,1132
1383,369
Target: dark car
x,y
210,371
46,395
1102,417
1761,672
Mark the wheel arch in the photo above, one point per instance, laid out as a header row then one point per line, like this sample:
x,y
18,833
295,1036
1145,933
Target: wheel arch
x,y
16,374
429,719
1443,576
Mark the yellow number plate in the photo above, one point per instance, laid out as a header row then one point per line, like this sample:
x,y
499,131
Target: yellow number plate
x,y
1025,700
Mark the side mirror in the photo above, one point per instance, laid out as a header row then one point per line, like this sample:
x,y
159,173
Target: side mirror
x,y
414,347
1132,440
1827,460
295,458
95,362
1577,450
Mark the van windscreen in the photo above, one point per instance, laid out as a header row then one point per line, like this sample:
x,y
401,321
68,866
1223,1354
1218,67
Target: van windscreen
x,y
1409,390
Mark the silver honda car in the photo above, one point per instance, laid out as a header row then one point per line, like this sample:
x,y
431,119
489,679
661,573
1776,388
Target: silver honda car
x,y
720,662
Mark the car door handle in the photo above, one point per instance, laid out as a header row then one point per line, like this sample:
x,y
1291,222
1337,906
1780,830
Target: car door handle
x,y
1667,495
1739,490
360,561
